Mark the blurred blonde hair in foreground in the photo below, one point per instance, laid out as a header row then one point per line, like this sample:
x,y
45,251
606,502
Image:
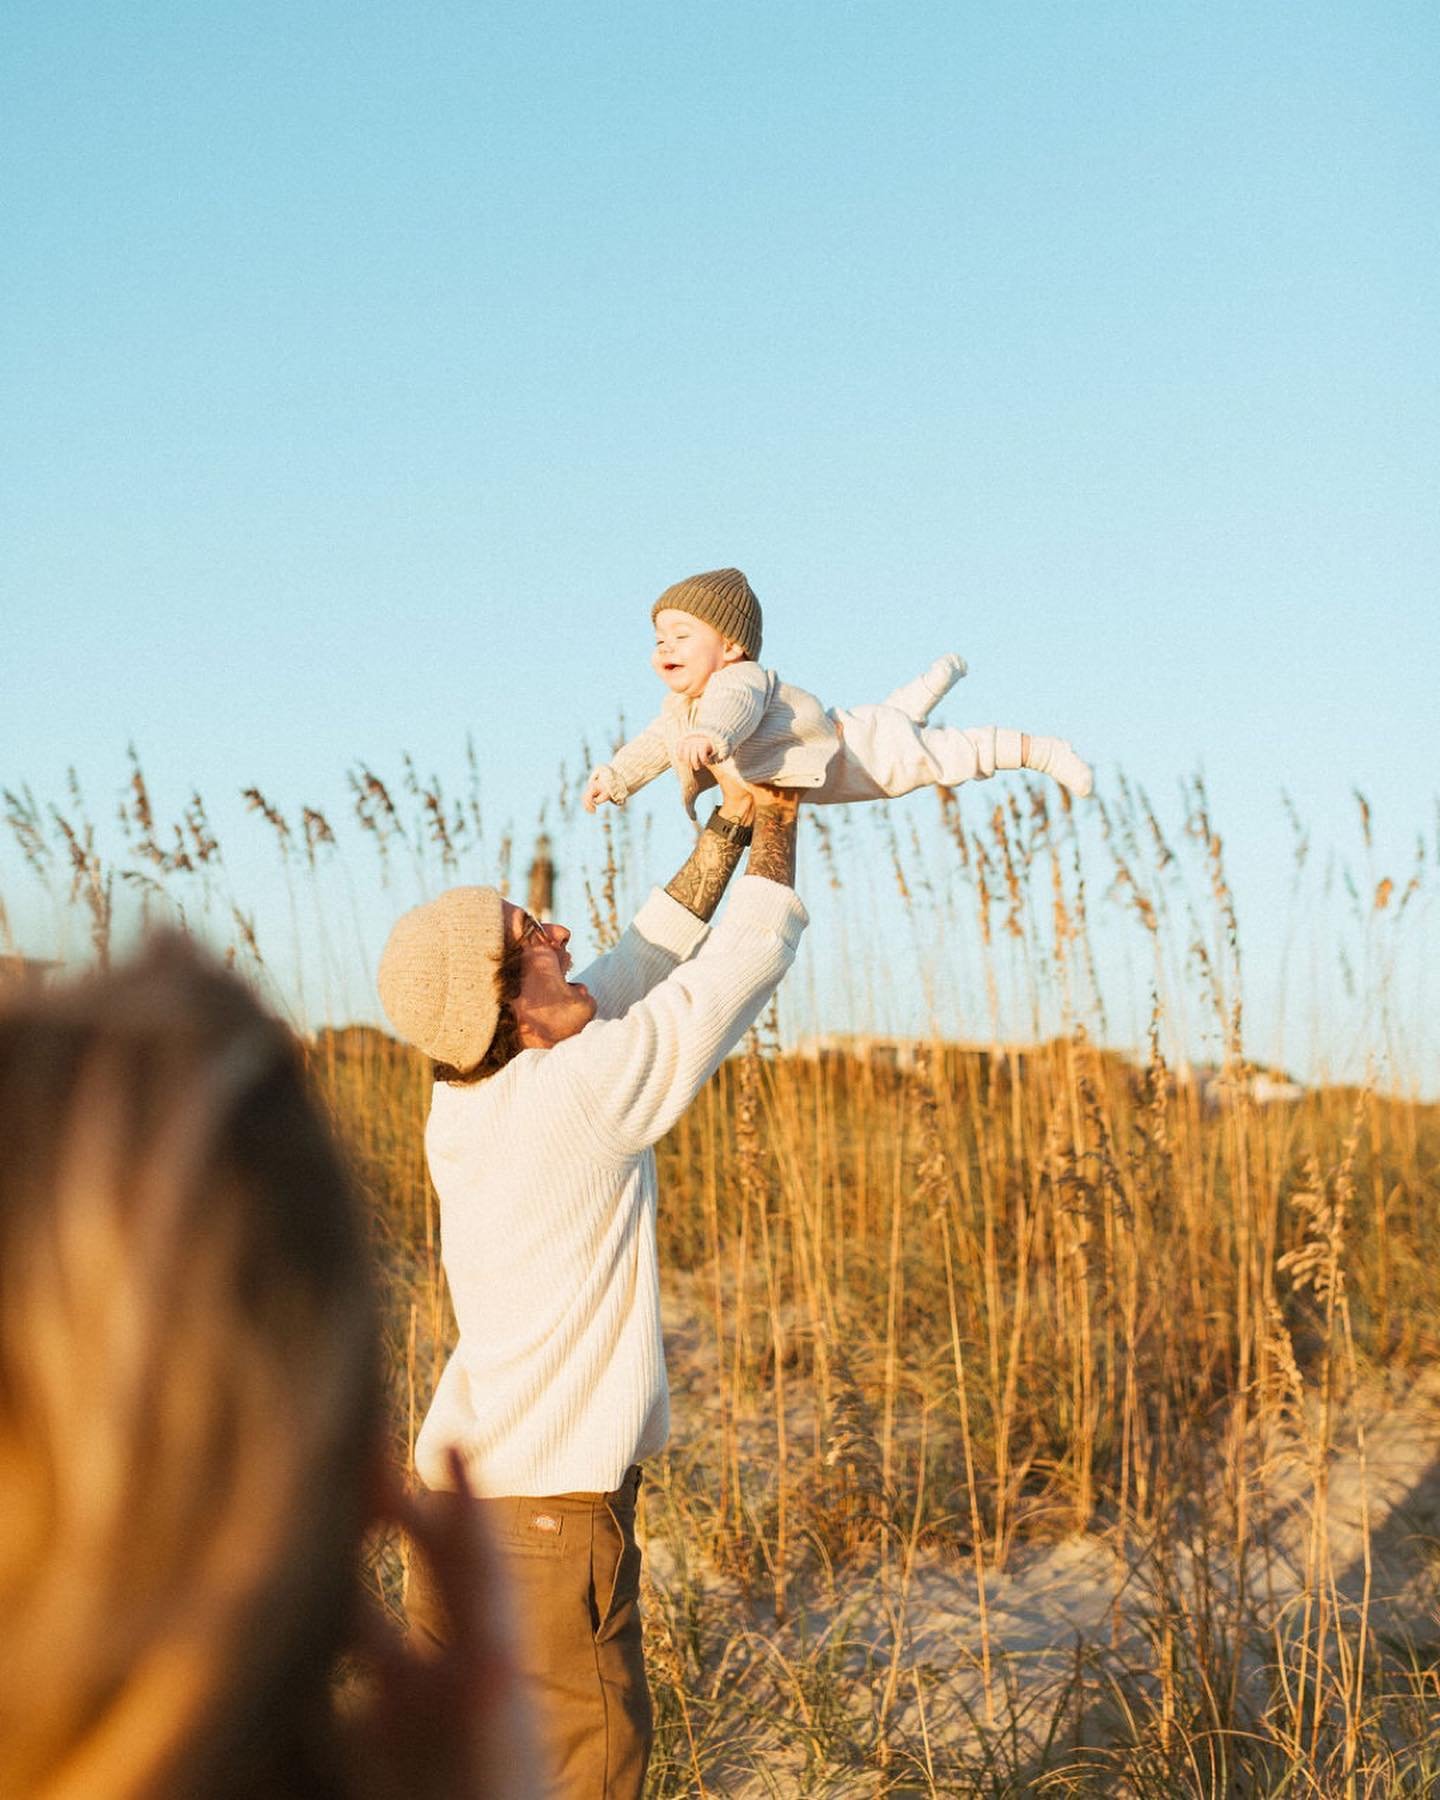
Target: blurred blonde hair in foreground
x,y
189,1398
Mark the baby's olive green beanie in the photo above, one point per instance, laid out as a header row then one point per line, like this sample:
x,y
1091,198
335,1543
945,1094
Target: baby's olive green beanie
x,y
722,598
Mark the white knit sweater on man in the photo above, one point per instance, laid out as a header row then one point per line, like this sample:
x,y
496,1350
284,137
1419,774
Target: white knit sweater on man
x,y
546,1179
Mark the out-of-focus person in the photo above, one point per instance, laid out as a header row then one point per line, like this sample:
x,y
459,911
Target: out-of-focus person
x,y
191,1426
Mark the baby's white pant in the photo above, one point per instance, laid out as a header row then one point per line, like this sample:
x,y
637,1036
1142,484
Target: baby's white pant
x,y
884,753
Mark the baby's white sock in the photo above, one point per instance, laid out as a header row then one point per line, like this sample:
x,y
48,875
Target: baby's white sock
x,y
917,699
1046,756
943,673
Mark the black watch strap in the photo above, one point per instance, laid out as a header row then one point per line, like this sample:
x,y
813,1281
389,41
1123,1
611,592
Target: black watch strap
x,y
731,830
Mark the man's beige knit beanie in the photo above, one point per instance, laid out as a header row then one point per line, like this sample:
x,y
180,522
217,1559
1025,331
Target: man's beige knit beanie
x,y
440,974
722,598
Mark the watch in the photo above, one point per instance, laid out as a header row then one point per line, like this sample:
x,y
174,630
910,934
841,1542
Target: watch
x,y
731,830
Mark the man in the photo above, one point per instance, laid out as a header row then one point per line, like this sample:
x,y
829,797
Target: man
x,y
549,1097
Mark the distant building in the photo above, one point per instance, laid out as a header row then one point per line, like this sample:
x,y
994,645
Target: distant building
x,y
1218,1087
872,1048
881,1050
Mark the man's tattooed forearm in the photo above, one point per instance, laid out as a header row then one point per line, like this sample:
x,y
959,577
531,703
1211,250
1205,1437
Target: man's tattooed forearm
x,y
772,853
703,879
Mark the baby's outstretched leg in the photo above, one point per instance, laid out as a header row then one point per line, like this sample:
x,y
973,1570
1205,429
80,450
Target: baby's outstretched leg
x,y
884,753
917,699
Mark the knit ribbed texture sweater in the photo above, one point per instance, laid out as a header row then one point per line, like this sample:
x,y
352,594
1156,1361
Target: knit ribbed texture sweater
x,y
763,727
546,1179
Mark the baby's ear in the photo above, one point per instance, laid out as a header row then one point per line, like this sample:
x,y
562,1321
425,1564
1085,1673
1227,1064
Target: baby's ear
x,y
735,652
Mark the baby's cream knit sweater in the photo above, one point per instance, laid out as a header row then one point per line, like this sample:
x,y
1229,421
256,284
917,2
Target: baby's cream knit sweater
x,y
761,727
546,1179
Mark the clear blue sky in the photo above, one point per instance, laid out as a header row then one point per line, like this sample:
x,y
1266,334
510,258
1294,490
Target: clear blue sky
x,y
365,371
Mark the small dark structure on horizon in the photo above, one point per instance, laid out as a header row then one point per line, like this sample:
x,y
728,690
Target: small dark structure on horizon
x,y
540,893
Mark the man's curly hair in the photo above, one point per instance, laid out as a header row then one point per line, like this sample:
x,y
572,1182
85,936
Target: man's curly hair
x,y
506,1042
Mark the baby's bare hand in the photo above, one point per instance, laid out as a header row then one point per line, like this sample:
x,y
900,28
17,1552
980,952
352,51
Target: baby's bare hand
x,y
596,791
696,750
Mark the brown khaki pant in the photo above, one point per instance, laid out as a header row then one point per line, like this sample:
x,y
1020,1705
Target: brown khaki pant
x,y
573,1568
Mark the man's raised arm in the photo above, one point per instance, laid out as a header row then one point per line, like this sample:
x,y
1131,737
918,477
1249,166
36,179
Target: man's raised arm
x,y
705,873
772,851
638,1072
656,943
775,814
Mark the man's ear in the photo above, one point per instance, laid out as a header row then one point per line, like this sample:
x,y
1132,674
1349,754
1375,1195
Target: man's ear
x,y
735,652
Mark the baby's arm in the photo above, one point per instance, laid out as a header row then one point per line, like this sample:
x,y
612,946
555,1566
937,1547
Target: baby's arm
x,y
732,705
632,765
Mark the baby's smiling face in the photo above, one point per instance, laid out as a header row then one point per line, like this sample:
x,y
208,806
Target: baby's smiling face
x,y
688,651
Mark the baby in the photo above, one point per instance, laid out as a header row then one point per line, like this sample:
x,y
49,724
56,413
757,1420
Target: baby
x,y
723,705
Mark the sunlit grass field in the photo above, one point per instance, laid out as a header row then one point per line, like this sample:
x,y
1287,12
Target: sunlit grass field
x,y
1047,1419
